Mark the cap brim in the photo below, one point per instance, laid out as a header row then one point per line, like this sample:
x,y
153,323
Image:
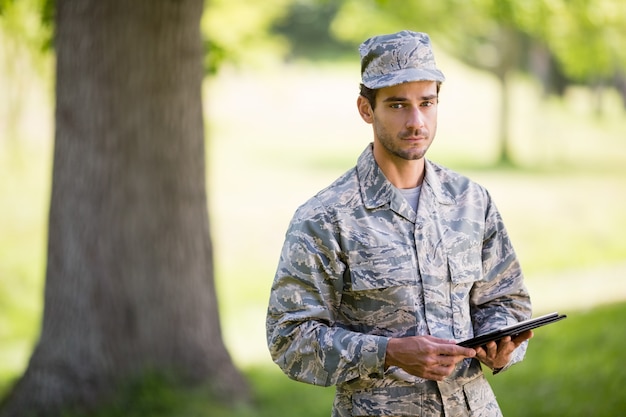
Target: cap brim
x,y
405,75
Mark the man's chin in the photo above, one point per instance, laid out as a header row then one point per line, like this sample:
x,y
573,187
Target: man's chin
x,y
412,155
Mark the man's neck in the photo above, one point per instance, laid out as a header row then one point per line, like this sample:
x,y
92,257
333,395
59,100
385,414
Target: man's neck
x,y
403,173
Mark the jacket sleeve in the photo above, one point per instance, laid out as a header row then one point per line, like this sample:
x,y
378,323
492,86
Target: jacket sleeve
x,y
303,335
501,298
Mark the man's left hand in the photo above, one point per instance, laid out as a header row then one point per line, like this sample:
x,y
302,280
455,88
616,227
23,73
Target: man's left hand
x,y
497,355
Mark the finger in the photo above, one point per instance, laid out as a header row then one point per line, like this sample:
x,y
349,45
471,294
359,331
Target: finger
x,y
446,369
441,371
510,344
528,334
481,353
491,349
448,361
436,377
456,350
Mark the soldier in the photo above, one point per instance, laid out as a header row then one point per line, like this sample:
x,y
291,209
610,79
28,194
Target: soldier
x,y
385,270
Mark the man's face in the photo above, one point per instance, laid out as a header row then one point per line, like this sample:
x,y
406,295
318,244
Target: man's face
x,y
404,120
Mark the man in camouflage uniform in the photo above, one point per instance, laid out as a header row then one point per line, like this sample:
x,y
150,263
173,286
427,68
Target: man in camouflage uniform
x,y
373,290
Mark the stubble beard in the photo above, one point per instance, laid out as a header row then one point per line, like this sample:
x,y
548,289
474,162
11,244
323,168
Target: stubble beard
x,y
392,146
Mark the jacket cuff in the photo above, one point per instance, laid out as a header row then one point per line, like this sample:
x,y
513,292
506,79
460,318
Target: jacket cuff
x,y
373,357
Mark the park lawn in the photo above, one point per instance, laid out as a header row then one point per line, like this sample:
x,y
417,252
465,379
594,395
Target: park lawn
x,y
571,369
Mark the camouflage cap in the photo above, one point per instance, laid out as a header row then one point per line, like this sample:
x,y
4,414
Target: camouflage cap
x,y
398,58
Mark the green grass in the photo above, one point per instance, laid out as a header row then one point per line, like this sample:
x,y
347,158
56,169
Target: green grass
x,y
273,395
572,368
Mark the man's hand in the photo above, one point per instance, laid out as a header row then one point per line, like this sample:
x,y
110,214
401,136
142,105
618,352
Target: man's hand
x,y
497,355
426,356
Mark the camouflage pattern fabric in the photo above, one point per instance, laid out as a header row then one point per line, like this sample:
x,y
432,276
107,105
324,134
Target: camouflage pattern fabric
x,y
398,58
359,266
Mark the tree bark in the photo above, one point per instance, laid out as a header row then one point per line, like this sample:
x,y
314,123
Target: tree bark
x,y
129,280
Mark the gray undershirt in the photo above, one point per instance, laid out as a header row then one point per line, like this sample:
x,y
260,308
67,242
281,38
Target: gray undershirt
x,y
412,195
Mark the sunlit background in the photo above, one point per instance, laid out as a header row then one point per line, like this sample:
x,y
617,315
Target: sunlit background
x,y
281,123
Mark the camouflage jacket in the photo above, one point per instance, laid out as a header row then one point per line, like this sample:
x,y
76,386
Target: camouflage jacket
x,y
359,266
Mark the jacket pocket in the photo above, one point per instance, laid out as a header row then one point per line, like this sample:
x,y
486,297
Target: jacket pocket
x,y
389,401
380,293
480,398
381,267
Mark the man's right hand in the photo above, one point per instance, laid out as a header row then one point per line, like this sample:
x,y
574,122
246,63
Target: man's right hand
x,y
427,357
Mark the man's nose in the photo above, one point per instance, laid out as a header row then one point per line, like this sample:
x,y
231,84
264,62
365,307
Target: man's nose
x,y
415,119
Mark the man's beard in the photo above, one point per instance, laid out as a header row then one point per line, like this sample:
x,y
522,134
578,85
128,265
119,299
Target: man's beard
x,y
391,145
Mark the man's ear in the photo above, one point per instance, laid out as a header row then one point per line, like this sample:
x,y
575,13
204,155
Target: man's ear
x,y
365,109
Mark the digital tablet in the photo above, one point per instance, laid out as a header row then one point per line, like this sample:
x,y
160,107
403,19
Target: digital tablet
x,y
512,330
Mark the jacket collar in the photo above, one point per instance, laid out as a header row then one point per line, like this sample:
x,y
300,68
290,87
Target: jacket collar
x,y
377,191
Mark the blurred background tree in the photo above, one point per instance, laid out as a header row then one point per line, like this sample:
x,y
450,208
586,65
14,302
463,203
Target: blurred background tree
x,y
129,285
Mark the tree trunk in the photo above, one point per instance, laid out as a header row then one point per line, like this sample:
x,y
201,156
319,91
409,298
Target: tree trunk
x,y
504,151
508,45
129,280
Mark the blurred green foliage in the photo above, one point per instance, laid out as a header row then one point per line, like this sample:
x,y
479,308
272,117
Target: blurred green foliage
x,y
238,32
583,40
307,27
585,37
26,23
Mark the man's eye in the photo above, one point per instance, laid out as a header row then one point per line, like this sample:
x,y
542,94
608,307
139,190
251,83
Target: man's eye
x,y
397,105
428,103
